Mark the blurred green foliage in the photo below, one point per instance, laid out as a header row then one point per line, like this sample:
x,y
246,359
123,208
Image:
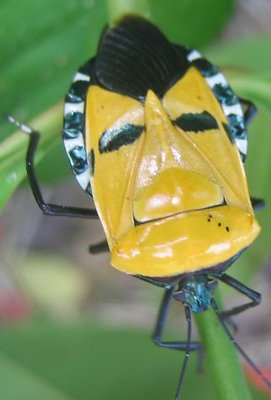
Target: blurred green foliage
x,y
62,361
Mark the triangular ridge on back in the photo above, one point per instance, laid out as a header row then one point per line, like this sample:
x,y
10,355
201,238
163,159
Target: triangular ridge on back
x,y
225,95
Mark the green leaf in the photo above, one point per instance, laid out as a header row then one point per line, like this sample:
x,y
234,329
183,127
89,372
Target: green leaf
x,y
117,8
86,360
176,17
18,382
42,46
250,54
192,22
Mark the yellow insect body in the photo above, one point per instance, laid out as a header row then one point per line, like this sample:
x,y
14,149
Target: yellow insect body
x,y
115,172
183,242
156,195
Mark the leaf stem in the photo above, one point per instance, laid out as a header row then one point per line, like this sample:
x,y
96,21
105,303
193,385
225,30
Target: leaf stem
x,y
117,8
222,362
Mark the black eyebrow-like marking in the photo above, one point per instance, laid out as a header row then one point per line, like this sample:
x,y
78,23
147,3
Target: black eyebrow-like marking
x,y
113,139
196,122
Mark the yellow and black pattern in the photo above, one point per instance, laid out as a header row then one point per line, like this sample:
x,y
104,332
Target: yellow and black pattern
x,y
162,152
74,126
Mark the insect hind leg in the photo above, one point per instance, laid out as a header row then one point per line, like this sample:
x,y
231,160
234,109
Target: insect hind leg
x,y
101,247
46,208
238,347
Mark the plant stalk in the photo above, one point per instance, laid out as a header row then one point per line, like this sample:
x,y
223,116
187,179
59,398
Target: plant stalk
x,y
221,359
117,8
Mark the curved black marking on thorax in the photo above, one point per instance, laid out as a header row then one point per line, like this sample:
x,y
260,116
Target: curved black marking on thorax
x,y
134,56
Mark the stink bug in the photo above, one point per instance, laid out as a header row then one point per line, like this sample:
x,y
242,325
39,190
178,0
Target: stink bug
x,y
155,134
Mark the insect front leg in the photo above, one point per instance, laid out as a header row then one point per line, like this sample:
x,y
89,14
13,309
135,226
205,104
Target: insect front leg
x,y
186,346
160,325
254,296
257,204
250,111
46,208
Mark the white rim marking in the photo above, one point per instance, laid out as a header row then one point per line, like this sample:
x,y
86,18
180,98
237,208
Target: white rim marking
x,y
216,79
194,55
79,76
84,179
74,107
242,145
235,109
70,144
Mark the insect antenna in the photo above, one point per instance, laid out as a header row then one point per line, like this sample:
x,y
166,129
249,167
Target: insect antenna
x,y
187,353
239,348
23,127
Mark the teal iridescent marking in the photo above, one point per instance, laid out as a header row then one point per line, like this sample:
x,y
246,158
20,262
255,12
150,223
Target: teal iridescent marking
x,y
224,94
205,67
77,92
113,139
73,125
78,159
237,126
196,294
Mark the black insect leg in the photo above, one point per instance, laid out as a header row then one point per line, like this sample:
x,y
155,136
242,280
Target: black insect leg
x,y
250,110
238,347
257,204
186,346
101,247
160,325
46,208
240,287
249,113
